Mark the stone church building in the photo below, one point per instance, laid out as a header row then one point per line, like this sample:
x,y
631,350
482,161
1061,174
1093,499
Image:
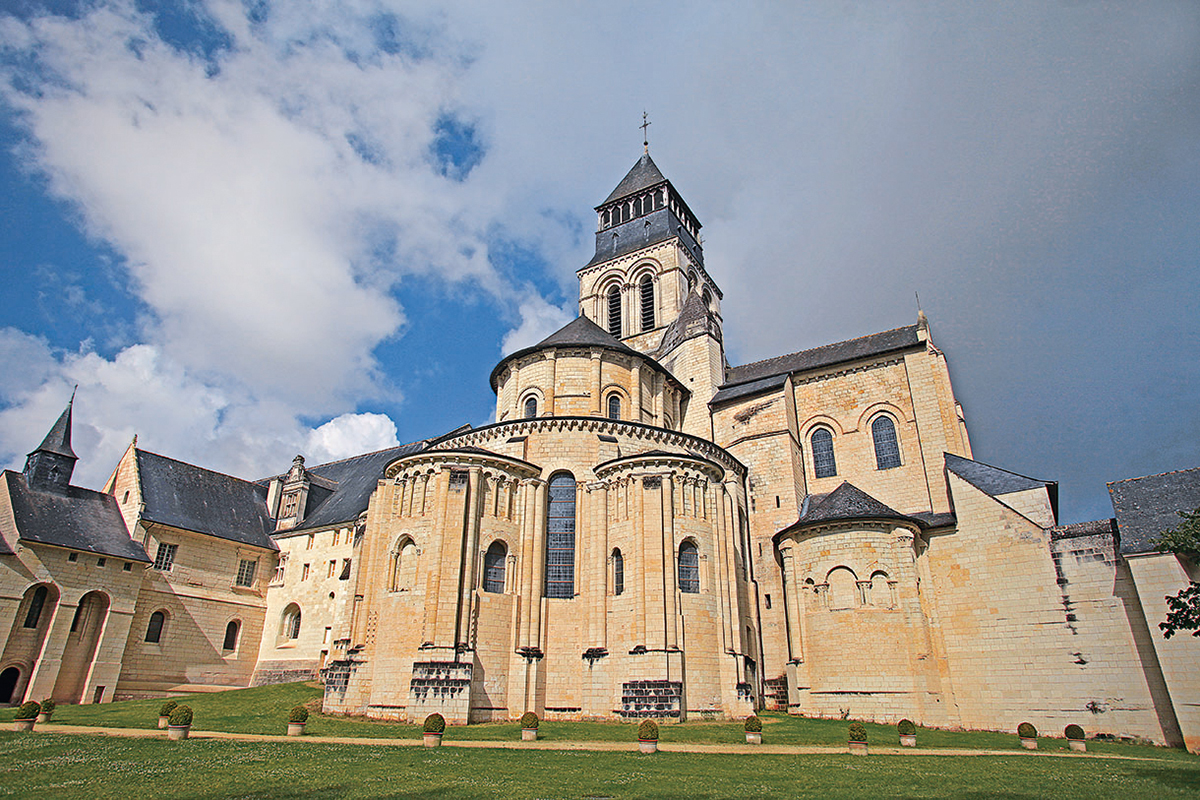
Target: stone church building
x,y
643,531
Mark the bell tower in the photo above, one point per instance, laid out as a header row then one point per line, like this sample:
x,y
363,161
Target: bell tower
x,y
49,468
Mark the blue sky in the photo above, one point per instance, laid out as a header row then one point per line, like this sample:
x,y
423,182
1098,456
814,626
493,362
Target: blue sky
x,y
250,229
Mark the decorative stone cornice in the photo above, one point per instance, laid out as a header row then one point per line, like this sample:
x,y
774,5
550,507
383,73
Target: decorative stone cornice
x,y
436,459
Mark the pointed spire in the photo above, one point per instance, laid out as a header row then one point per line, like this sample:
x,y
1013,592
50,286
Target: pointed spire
x,y
58,440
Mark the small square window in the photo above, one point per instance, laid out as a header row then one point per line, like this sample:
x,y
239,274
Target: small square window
x,y
246,570
72,557
100,562
128,566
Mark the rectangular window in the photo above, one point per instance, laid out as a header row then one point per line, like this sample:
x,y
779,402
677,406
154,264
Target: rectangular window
x,y
345,576
337,536
332,568
165,556
304,573
326,639
128,566
100,562
72,557
308,545
246,570
291,502
280,568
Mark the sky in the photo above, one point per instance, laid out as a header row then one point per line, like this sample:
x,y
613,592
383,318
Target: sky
x,y
247,229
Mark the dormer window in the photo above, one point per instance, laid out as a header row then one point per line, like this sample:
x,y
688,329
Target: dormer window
x,y
291,502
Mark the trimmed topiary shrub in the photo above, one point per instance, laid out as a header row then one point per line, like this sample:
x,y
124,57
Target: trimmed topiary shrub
x,y
29,710
753,724
857,732
167,708
648,730
906,728
529,720
1026,731
435,723
181,716
299,715
1073,732
48,706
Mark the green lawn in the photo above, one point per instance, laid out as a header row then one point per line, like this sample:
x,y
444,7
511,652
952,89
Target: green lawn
x,y
264,710
62,765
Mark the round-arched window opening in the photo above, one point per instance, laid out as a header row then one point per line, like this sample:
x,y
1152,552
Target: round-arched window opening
x,y
689,568
887,446
494,567
231,635
530,407
614,406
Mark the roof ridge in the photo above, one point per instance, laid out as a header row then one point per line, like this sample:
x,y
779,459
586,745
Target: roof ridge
x,y
195,466
1153,475
818,347
993,466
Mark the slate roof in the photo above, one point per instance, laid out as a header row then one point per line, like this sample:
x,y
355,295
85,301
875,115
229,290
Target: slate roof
x,y
988,479
79,519
846,502
58,440
579,332
196,499
1147,506
643,175
355,480
770,372
693,320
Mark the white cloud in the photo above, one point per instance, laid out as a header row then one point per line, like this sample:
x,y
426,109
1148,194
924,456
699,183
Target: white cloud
x,y
539,319
349,435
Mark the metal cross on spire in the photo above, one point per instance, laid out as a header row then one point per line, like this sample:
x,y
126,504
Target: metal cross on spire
x,y
645,135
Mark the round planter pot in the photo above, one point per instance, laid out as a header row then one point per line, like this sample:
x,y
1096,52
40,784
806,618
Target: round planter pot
x,y
753,738
178,733
23,724
1078,745
432,739
858,748
164,720
43,717
908,740
296,728
529,734
647,745
1029,744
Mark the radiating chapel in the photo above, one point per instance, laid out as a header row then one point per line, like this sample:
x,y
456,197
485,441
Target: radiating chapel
x,y
643,531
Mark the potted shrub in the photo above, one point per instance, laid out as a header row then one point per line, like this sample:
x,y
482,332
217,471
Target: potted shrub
x,y
1028,735
648,736
1075,738
908,733
47,711
753,730
179,724
529,726
858,739
297,719
435,726
27,715
164,713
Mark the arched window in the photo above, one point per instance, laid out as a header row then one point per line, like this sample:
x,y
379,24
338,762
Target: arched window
x,y
822,450
560,537
646,288
36,604
618,571
707,298
689,568
493,568
614,311
843,588
404,565
290,622
881,593
155,628
614,406
530,407
887,449
231,635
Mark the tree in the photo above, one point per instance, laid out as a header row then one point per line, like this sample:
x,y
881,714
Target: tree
x,y
1183,609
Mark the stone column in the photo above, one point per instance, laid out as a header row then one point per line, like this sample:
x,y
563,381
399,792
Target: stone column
x,y
791,605
49,661
549,388
472,509
527,597
438,544
539,565
643,561
670,573
635,411
597,384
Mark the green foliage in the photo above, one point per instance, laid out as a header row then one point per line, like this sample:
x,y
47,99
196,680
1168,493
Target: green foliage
x,y
299,715
167,708
906,728
857,732
648,730
435,723
48,705
1073,732
1183,609
753,724
182,715
1185,539
529,720
29,710
1026,731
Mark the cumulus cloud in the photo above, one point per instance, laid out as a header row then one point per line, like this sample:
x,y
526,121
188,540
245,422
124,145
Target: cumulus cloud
x,y
351,434
539,319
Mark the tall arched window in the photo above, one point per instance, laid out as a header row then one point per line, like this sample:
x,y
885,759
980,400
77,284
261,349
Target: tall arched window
x,y
843,588
36,604
404,565
614,311
614,406
618,571
887,449
560,537
646,291
290,622
493,568
530,407
155,628
231,636
689,568
822,450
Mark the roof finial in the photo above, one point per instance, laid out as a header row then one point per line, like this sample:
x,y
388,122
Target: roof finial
x,y
645,135
71,402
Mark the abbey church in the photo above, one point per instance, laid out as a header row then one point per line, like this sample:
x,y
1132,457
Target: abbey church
x,y
643,531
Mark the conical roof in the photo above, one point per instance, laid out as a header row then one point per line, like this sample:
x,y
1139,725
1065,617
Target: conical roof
x,y
846,502
645,173
58,440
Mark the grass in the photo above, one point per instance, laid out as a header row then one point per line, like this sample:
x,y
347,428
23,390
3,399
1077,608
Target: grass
x,y
61,765
264,710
